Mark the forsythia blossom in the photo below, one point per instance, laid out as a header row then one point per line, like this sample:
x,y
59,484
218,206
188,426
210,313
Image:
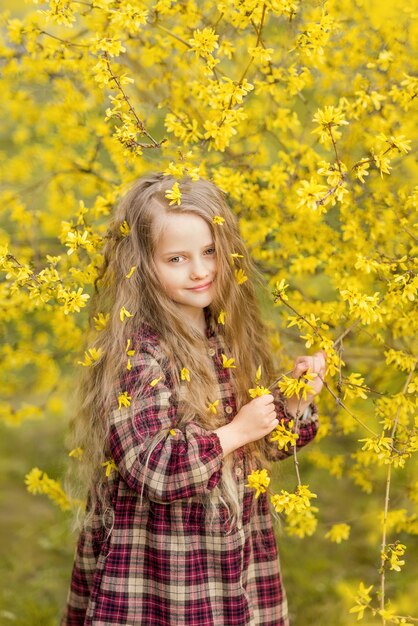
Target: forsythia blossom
x,y
258,480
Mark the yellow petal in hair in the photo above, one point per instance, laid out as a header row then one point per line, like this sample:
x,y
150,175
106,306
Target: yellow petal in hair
x,y
212,407
76,453
218,220
174,194
131,271
155,381
110,466
240,276
172,432
235,255
221,317
258,374
124,399
124,228
185,374
123,313
128,351
228,363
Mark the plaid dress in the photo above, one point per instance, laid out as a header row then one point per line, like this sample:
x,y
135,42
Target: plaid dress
x,y
157,556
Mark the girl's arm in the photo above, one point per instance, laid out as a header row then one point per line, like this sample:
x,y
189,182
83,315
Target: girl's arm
x,y
153,456
258,418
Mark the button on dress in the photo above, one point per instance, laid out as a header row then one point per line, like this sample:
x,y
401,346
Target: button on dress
x,y
157,555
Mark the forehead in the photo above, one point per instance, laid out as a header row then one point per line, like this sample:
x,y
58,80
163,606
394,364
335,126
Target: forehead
x,y
181,230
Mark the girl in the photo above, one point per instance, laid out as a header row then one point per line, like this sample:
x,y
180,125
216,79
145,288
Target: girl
x,y
172,534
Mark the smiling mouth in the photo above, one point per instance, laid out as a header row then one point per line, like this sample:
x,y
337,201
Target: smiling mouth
x,y
200,287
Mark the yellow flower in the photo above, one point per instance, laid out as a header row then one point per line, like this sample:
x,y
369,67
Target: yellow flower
x,y
294,387
283,435
212,407
90,356
101,321
398,142
124,399
235,255
124,229
110,465
38,482
185,374
131,271
112,46
240,276
258,391
129,353
279,292
218,220
221,317
363,600
124,313
174,194
338,533
204,41
155,381
258,480
128,349
328,118
77,240
33,480
228,363
311,193
76,453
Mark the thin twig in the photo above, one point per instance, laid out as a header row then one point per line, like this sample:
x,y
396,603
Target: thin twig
x,y
386,507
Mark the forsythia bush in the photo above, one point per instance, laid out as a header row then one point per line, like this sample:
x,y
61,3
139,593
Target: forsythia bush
x,y
303,112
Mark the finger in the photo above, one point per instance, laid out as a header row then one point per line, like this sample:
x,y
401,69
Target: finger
x,y
302,367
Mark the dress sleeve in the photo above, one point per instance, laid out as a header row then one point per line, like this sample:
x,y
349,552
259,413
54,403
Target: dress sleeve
x,y
306,430
154,456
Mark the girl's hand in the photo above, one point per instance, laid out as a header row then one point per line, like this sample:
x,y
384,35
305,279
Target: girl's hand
x,y
254,420
315,364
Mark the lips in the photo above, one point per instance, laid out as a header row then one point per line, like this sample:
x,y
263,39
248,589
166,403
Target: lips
x,y
200,287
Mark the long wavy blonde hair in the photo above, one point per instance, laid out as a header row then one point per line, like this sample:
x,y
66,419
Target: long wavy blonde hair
x,y
243,333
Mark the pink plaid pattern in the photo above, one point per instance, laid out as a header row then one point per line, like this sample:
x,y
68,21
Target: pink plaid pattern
x,y
157,556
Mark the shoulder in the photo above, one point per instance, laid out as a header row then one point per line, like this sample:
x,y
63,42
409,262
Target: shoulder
x,y
146,341
148,351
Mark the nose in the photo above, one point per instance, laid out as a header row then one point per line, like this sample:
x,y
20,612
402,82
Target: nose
x,y
198,271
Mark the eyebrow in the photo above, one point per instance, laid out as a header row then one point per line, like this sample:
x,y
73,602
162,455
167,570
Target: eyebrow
x,y
186,251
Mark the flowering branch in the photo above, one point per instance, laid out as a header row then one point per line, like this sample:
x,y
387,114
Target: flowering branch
x,y
138,122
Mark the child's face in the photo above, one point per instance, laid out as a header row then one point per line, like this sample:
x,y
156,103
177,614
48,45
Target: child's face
x,y
185,258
